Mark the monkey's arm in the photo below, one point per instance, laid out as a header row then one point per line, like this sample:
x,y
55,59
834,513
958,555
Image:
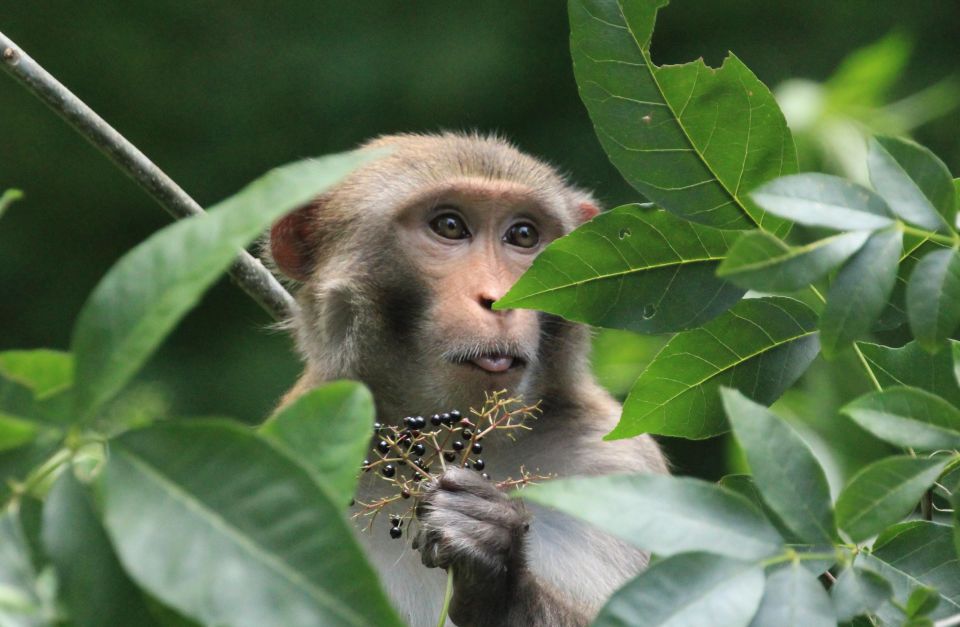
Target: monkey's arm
x,y
470,526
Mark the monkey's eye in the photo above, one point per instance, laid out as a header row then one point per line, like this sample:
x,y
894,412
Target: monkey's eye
x,y
449,226
522,234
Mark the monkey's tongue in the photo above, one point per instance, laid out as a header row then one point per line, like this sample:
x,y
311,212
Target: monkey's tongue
x,y
494,363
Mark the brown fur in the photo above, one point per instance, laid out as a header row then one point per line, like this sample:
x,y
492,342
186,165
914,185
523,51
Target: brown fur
x,y
385,301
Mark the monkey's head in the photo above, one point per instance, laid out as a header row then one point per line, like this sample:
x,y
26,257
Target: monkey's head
x,y
401,263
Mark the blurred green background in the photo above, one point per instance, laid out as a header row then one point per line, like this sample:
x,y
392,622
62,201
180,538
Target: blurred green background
x,y
218,92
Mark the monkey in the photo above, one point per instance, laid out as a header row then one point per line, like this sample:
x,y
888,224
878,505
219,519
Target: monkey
x,y
396,270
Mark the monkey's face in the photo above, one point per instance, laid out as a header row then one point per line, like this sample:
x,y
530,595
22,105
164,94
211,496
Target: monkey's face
x,y
468,244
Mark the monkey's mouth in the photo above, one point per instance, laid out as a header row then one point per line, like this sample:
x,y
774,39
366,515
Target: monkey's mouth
x,y
496,364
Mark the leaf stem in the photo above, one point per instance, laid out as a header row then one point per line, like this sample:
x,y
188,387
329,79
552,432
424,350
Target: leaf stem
x,y
949,240
447,595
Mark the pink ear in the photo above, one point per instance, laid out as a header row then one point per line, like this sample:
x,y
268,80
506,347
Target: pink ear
x,y
588,211
292,243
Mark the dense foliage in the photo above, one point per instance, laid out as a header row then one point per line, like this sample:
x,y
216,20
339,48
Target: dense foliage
x,y
112,521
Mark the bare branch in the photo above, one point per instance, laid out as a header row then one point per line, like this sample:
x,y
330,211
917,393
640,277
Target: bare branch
x,y
246,271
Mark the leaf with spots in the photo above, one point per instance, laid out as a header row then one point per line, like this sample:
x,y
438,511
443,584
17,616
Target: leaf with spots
x,y
631,268
760,347
694,139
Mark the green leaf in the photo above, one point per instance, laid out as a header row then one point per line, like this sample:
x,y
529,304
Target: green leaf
x,y
910,365
760,346
895,313
744,486
686,590
912,554
933,298
760,261
922,601
785,471
915,183
91,580
630,268
21,604
689,137
146,293
327,430
860,291
792,597
866,75
908,417
825,201
15,432
45,372
218,524
664,514
857,592
884,492
7,198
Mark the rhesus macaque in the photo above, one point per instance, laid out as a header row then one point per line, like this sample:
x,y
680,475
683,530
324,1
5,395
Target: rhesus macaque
x,y
400,265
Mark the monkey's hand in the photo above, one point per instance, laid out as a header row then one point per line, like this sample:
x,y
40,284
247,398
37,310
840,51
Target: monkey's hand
x,y
467,524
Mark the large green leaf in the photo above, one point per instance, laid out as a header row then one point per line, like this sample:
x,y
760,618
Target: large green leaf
x,y
825,201
21,604
691,138
9,197
664,514
327,430
912,554
630,268
687,590
145,293
859,591
760,261
785,471
760,346
215,522
618,357
792,597
910,365
908,417
915,248
884,492
860,292
91,581
933,298
45,372
915,183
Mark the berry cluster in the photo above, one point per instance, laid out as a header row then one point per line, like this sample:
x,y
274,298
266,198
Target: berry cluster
x,y
407,456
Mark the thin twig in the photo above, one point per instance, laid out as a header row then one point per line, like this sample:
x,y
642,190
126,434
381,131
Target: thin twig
x,y
246,271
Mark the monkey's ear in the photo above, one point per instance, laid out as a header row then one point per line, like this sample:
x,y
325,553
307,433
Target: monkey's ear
x,y
588,210
292,244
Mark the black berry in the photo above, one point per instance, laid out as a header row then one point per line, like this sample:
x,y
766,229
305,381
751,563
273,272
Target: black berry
x,y
446,418
383,446
467,433
405,493
485,476
435,420
395,532
409,421
478,465
449,456
455,414
366,465
389,470
418,449
377,426
395,520
477,448
457,445
419,422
